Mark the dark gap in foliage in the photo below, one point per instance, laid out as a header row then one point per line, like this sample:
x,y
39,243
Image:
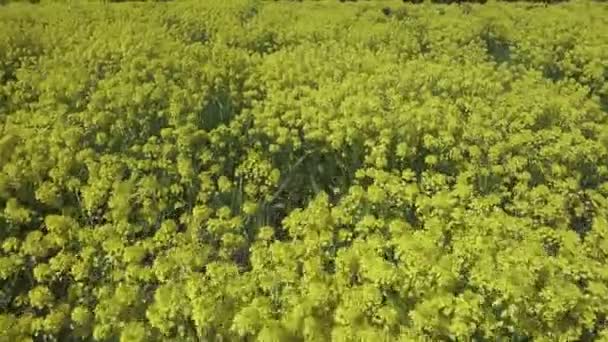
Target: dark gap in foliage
x,y
458,1
390,255
418,164
201,37
125,1
187,32
411,216
148,259
590,176
17,284
104,69
497,47
600,325
3,107
5,227
321,172
487,183
581,220
446,242
8,74
248,13
462,283
219,110
542,279
60,287
553,72
582,283
551,247
9,79
401,13
604,103
535,2
329,266
309,175
466,9
425,45
280,233
273,217
265,44
537,175
241,258
6,295
96,217
546,119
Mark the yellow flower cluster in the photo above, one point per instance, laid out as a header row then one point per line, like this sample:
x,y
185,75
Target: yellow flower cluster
x,y
241,170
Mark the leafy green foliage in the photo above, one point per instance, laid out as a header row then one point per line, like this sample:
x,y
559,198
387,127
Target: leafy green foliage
x,y
278,171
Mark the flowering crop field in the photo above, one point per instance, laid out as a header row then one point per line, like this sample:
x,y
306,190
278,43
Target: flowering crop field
x,y
241,170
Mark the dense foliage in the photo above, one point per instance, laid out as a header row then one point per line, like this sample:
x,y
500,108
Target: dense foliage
x,y
241,170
